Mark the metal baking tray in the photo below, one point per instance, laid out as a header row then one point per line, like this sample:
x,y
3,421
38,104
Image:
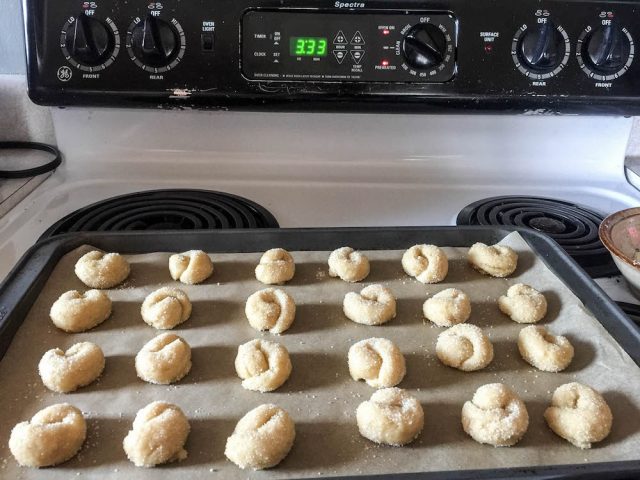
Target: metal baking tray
x,y
25,281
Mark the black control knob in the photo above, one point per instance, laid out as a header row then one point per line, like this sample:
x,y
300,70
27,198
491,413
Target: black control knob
x,y
542,48
424,46
607,49
89,41
155,42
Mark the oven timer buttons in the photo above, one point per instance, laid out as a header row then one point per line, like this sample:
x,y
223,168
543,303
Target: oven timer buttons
x,y
88,43
606,52
154,44
541,51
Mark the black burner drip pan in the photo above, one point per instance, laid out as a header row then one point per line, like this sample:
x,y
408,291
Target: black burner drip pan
x,y
574,227
165,210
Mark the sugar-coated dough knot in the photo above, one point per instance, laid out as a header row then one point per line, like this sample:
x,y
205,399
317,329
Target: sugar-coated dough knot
x,y
270,309
276,267
377,361
524,304
165,308
52,436
262,438
158,435
263,366
579,414
546,352
98,269
496,415
448,307
494,260
374,305
164,359
464,347
348,264
65,372
76,312
427,263
190,267
392,416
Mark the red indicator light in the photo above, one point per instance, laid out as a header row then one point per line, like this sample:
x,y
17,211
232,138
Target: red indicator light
x,y
386,31
385,63
488,48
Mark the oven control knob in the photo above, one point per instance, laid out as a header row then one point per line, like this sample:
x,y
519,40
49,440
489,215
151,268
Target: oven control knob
x,y
542,48
88,41
154,42
607,49
424,46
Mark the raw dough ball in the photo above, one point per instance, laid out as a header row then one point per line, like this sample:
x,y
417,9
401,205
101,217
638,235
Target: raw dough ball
x,y
64,372
159,433
164,359
348,264
495,415
392,416
165,308
464,347
428,263
76,312
190,267
276,267
544,351
494,260
270,309
52,436
374,305
448,307
262,438
377,361
523,304
579,414
263,366
102,270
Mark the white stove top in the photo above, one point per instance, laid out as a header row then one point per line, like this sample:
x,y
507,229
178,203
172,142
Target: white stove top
x,y
328,170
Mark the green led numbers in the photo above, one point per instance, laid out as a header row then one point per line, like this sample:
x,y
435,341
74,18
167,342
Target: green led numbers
x,y
308,46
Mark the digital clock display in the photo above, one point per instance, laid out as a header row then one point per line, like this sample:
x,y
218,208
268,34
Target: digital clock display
x,y
308,46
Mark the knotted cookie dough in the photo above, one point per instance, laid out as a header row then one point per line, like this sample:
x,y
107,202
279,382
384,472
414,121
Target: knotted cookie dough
x,y
276,267
165,308
53,435
65,372
374,305
427,263
464,347
496,415
190,267
262,438
447,308
494,260
164,359
392,416
270,309
263,366
76,312
98,269
348,264
546,352
524,304
579,414
158,435
377,361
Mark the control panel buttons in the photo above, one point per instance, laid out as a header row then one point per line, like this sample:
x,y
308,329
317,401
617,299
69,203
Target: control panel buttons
x,y
424,46
154,44
605,53
541,51
88,43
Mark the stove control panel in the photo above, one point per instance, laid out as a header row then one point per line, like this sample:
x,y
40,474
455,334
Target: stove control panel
x,y
529,56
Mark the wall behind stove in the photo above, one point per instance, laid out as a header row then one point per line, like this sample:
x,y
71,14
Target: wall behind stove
x,y
11,37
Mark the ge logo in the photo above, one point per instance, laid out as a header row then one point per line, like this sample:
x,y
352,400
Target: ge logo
x,y
64,74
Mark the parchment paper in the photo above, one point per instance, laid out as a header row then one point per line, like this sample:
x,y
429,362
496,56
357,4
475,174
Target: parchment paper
x,y
320,395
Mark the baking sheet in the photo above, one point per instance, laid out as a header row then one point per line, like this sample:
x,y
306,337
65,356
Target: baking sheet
x,y
320,395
